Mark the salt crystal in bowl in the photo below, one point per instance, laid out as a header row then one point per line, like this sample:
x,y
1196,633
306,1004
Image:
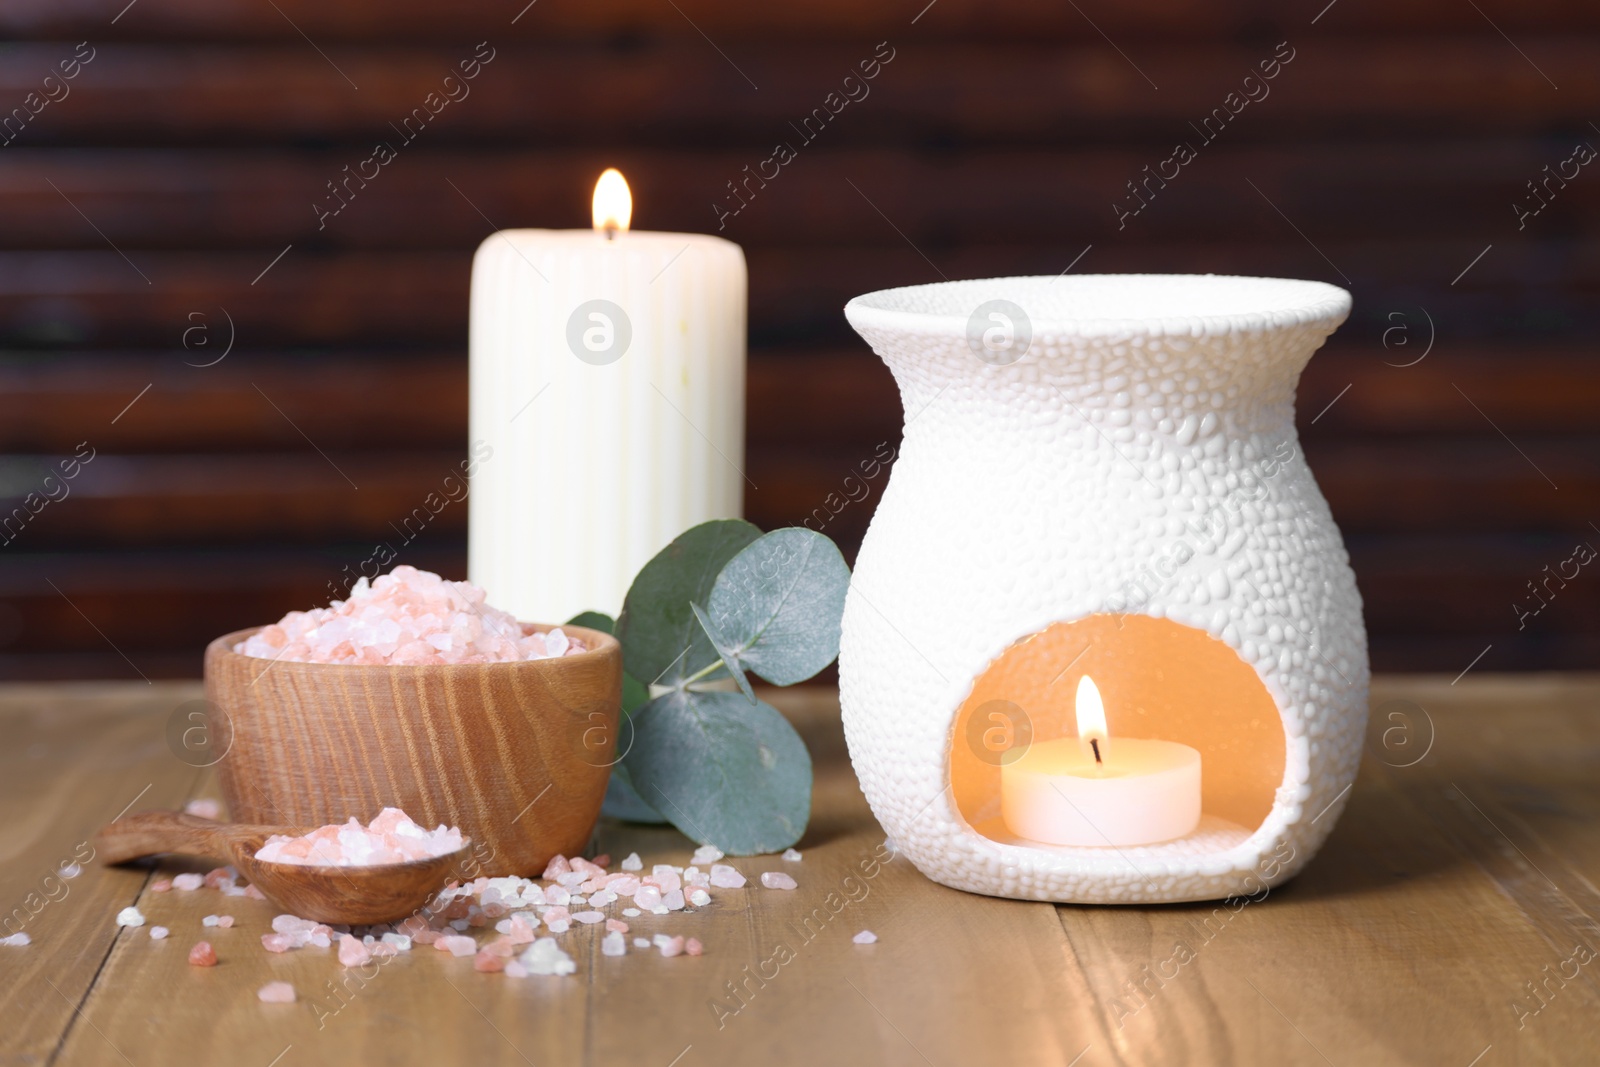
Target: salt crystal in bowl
x,y
516,754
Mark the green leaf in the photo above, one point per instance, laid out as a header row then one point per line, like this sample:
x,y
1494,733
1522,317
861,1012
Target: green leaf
x,y
777,605
662,644
623,801
594,620
727,771
730,658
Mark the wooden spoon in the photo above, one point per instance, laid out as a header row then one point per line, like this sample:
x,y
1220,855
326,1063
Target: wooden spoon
x,y
349,895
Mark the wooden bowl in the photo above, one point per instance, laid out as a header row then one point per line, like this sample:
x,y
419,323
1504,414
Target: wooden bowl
x,y
515,754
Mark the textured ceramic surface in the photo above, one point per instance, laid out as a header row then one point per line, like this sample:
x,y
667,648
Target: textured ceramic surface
x,y
1043,468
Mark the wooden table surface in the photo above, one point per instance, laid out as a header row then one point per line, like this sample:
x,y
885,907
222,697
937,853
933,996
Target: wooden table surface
x,y
1434,927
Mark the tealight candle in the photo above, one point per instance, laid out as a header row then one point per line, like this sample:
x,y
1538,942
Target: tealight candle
x,y
1093,790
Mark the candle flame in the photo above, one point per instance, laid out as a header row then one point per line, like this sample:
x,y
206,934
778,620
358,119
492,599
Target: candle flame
x,y
613,203
1091,710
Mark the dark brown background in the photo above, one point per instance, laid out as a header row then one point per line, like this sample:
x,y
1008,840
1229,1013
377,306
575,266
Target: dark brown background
x,y
190,150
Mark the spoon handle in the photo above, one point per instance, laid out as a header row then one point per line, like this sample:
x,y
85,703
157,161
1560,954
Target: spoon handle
x,y
146,833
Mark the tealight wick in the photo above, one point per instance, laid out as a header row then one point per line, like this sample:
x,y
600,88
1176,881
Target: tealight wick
x,y
1094,743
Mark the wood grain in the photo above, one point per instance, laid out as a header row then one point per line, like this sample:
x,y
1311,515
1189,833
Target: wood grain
x,y
1452,880
516,755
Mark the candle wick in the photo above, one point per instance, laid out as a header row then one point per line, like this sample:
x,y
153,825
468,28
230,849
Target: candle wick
x,y
1094,743
611,231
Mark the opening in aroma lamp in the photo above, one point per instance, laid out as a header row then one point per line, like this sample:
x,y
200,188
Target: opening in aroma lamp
x,y
1159,680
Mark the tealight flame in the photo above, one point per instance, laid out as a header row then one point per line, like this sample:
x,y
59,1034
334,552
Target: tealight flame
x,y
613,203
1091,711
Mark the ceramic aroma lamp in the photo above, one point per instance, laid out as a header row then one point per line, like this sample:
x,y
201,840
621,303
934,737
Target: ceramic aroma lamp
x,y
1100,478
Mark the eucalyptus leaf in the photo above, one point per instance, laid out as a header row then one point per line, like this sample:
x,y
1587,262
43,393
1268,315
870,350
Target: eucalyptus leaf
x,y
726,770
730,658
662,644
623,801
594,620
777,605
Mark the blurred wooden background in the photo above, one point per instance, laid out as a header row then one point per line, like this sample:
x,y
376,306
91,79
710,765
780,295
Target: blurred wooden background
x,y
162,204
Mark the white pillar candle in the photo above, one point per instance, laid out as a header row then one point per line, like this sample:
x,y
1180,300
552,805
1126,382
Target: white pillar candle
x,y
607,378
1093,790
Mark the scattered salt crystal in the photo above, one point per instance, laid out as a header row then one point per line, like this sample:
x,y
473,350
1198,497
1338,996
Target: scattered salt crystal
x,y
202,955
632,913
571,880
488,961
666,878
457,945
602,898
693,947
544,956
673,900
558,895
640,942
588,916
209,920
515,969
792,855
699,898
577,898
459,925
16,939
659,909
557,866
188,882
130,916
276,993
558,926
406,617
616,926
694,876
777,880
725,877
161,885
706,854
253,893
400,942
158,932
392,837
205,807
70,870
353,953
276,942
224,921
865,937
633,862
624,885
673,947
614,944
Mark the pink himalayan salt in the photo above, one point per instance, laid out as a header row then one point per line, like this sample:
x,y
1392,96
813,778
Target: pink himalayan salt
x,y
276,942
515,969
726,877
276,993
352,953
188,882
865,937
601,862
218,877
204,807
693,947
557,866
392,837
777,880
457,945
158,932
203,955
161,885
588,916
253,893
224,921
520,931
616,926
488,961
406,617
673,947
647,897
